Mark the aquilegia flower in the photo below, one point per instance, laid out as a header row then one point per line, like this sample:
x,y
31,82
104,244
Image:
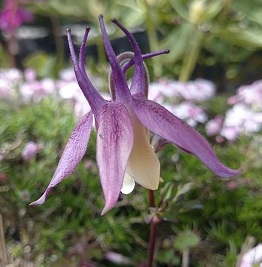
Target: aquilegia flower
x,y
123,124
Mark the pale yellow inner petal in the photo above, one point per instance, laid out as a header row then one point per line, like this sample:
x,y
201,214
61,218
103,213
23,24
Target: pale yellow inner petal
x,y
143,164
128,184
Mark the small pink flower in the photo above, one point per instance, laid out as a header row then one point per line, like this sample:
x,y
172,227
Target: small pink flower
x,y
214,126
198,90
250,95
190,113
117,258
241,120
252,258
30,151
12,16
3,176
232,185
30,75
9,80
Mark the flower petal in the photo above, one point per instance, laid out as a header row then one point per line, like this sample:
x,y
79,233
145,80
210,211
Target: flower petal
x,y
93,97
143,165
140,79
160,121
128,184
72,155
122,92
114,144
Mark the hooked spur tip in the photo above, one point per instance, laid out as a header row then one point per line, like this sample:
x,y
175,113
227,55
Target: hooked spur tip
x,y
167,51
88,28
68,30
100,16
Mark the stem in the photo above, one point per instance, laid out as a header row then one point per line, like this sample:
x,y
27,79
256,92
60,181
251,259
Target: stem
x,y
152,203
58,43
152,241
100,51
3,256
152,37
153,230
185,258
12,49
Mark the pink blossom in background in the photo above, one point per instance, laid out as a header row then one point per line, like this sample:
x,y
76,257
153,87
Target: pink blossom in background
x,y
3,176
252,258
30,150
67,75
12,16
249,94
30,75
37,89
198,90
240,119
162,89
191,113
13,75
170,93
188,112
9,80
243,118
214,126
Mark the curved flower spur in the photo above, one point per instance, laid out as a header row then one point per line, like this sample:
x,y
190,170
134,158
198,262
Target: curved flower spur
x,y
123,142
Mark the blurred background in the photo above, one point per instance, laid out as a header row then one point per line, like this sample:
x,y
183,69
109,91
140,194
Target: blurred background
x,y
212,79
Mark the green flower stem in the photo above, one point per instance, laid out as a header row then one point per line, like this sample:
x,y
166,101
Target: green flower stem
x,y
11,49
100,51
58,43
152,38
190,59
3,254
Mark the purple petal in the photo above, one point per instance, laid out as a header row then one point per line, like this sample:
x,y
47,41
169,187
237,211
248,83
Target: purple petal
x,y
72,155
160,121
93,97
114,144
140,78
121,88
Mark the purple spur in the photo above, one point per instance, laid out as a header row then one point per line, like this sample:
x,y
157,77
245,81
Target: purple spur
x,y
123,124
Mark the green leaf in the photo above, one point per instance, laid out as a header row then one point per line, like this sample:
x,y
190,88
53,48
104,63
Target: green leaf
x,y
248,38
42,63
178,41
185,240
181,8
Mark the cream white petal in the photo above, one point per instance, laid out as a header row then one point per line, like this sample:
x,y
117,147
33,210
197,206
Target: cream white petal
x,y
143,164
128,184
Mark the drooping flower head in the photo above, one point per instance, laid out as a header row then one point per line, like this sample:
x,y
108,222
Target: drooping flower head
x,y
124,152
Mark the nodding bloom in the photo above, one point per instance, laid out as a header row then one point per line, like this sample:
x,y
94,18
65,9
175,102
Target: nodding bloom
x,y
123,148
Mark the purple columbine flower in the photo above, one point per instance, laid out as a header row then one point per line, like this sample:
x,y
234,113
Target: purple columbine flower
x,y
123,125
